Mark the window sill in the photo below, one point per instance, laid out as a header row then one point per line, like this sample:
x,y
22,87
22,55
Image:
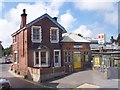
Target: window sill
x,y
54,41
45,65
36,41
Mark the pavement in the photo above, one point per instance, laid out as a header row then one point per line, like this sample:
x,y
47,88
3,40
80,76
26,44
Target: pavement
x,y
85,79
81,79
32,82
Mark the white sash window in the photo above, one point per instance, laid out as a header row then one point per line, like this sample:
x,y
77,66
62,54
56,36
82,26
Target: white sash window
x,y
36,34
54,35
41,58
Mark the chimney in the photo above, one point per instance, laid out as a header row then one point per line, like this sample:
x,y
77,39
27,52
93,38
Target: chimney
x,y
23,19
55,18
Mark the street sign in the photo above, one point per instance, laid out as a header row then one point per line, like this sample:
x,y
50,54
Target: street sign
x,y
101,39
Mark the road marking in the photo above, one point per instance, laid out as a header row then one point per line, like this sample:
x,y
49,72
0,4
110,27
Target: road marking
x,y
86,85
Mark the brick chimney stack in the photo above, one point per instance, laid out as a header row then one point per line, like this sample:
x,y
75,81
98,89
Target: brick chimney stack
x,y
23,19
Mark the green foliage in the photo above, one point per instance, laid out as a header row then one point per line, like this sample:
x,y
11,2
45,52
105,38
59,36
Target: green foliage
x,y
7,51
118,38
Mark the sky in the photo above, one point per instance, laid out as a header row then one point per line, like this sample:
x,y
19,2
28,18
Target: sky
x,y
87,17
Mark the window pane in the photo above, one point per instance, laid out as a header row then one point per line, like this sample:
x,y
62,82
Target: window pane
x,y
56,56
37,57
15,59
43,57
56,53
56,59
65,59
65,52
69,59
68,56
54,34
36,34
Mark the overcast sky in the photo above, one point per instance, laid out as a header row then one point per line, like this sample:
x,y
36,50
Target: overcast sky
x,y
87,17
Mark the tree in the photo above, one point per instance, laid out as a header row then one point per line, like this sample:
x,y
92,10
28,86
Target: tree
x,y
112,39
118,38
7,51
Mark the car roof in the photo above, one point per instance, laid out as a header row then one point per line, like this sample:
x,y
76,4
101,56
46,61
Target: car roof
x,y
4,81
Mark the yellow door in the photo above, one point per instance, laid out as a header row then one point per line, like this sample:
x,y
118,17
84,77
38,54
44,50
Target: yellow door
x,y
77,60
97,61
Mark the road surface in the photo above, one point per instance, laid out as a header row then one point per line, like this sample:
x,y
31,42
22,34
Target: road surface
x,y
16,82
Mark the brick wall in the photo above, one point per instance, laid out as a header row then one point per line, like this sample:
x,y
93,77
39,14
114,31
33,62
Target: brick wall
x,y
43,74
45,25
70,47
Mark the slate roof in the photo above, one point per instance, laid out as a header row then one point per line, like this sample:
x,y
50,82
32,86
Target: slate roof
x,y
94,46
38,19
69,37
106,47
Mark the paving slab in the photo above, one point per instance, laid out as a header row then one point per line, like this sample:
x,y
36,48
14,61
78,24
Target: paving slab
x,y
82,77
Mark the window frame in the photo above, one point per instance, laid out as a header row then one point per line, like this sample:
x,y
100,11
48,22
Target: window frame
x,y
40,64
40,34
59,61
15,57
46,64
68,56
57,36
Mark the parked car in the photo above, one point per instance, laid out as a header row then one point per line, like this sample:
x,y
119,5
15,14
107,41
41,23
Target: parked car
x,y
7,61
5,84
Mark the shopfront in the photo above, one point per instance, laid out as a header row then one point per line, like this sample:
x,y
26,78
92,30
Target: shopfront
x,y
106,59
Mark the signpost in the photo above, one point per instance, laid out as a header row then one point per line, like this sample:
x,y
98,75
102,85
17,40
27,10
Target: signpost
x,y
101,39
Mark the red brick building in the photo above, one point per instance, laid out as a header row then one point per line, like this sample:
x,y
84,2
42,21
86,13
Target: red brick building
x,y
38,49
75,53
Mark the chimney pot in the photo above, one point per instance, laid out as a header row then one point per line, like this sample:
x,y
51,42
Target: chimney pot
x,y
55,18
24,11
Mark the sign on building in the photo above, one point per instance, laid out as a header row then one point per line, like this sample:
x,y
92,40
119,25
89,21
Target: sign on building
x,y
101,39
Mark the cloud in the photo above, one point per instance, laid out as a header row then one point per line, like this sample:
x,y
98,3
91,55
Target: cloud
x,y
106,8
111,18
33,10
95,6
84,30
6,29
12,18
67,20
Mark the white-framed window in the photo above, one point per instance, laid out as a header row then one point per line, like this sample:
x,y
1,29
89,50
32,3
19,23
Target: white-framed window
x,y
57,58
36,57
41,58
36,34
15,57
67,55
54,35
